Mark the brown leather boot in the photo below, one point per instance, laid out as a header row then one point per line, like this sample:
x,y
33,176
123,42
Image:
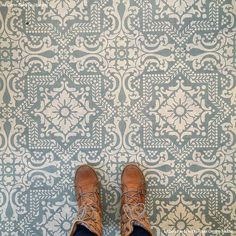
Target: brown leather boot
x,y
133,199
89,203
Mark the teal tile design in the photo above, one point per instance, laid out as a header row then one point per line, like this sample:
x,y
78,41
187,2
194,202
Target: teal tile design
x,y
109,82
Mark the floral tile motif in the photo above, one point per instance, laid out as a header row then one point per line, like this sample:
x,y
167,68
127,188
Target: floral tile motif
x,y
60,222
183,112
181,218
111,82
65,115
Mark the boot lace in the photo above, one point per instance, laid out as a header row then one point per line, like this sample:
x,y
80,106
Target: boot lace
x,y
134,209
86,210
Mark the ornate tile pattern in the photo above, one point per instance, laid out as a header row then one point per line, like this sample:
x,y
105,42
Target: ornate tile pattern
x,y
108,82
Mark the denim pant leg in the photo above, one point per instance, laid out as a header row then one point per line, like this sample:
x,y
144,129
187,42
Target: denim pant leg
x,y
139,231
83,231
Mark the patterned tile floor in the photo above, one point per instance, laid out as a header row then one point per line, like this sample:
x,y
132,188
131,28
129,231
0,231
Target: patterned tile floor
x,y
108,82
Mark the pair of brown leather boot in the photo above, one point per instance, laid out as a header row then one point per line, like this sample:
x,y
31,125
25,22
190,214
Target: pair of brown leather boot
x,y
132,202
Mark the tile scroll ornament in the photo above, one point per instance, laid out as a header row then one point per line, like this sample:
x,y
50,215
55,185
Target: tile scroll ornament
x,y
111,82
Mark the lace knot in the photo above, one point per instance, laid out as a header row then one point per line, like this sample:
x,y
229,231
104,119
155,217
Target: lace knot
x,y
133,197
134,212
85,213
